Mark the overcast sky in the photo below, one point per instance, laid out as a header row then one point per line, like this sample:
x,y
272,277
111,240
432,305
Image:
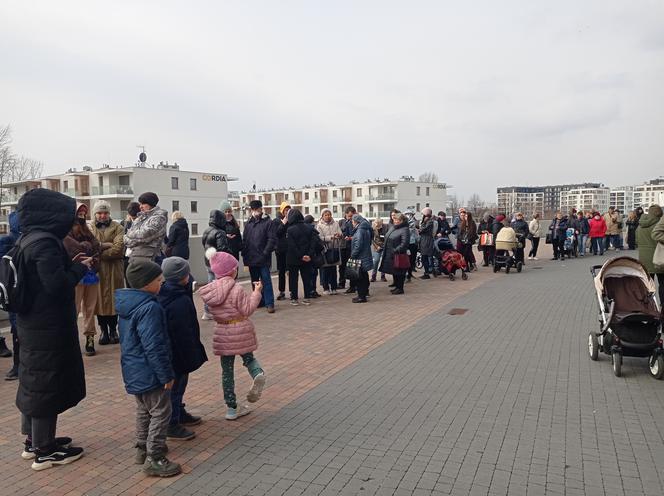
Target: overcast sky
x,y
483,93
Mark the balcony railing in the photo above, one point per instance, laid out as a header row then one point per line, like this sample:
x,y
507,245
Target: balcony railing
x,y
383,197
112,190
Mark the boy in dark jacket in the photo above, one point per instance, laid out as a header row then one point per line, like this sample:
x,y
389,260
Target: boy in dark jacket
x,y
146,364
185,336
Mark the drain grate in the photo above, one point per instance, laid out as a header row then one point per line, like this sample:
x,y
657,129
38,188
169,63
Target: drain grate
x,y
457,311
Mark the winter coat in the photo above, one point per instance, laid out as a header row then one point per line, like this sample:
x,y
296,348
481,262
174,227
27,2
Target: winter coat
x,y
145,349
327,233
183,329
428,229
360,245
558,228
111,266
215,235
235,243
279,229
346,227
444,228
85,242
597,227
645,242
535,228
612,224
396,241
178,240
521,227
258,242
378,239
146,234
51,374
584,226
496,227
231,306
8,241
413,229
301,239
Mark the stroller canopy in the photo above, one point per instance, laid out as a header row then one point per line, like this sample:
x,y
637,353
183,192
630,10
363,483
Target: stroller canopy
x,y
623,267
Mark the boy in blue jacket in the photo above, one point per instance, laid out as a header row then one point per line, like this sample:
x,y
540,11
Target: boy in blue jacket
x,y
146,364
185,335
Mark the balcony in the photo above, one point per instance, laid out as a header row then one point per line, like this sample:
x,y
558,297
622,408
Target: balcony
x,y
382,197
113,190
8,198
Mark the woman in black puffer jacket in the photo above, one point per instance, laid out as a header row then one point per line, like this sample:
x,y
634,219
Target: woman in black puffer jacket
x,y
397,240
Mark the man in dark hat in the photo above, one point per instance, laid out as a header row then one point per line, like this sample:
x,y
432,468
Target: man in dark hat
x,y
258,242
147,232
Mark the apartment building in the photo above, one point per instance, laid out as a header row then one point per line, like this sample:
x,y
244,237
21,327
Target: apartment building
x,y
371,198
622,198
192,193
649,193
529,200
585,199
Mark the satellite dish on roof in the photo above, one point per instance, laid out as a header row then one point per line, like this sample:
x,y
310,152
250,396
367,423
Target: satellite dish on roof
x,y
142,157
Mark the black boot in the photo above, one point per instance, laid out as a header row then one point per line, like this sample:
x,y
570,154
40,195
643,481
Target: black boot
x,y
4,351
113,329
103,325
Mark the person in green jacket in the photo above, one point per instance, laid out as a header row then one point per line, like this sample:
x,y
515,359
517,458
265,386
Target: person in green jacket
x,y
646,240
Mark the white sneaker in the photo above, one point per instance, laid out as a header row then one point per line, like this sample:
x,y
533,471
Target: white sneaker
x,y
535,258
306,302
236,413
206,316
326,292
256,390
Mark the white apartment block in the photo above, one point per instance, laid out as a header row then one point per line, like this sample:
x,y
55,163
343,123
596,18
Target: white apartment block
x,y
371,199
528,200
194,194
649,193
585,199
622,198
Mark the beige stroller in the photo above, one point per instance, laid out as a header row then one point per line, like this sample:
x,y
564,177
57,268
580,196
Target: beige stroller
x,y
506,243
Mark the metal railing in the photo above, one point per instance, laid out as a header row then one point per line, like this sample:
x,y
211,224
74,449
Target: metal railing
x,y
112,190
385,196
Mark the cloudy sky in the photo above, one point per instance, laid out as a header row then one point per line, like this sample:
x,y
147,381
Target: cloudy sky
x,y
483,93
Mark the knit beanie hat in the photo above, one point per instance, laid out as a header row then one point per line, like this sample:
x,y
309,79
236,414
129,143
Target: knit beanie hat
x,y
225,205
150,198
101,206
284,205
221,263
134,208
427,212
500,218
255,204
140,273
175,268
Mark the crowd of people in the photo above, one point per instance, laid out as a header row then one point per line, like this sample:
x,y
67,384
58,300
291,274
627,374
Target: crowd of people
x,y
132,280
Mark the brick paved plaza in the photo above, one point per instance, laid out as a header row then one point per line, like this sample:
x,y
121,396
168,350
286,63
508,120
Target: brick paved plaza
x,y
396,396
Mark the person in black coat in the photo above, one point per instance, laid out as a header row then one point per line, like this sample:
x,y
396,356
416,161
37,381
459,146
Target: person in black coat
x,y
215,236
558,227
185,337
397,240
51,374
488,251
280,226
521,229
258,242
177,243
301,244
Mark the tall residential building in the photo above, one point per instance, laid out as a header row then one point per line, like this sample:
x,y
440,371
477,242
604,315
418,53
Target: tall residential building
x,y
192,193
371,198
529,200
649,193
585,199
622,198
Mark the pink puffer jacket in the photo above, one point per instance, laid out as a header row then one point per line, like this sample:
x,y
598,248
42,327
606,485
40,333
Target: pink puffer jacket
x,y
227,301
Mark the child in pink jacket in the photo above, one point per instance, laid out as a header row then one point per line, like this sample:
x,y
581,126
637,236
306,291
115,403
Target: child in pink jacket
x,y
230,307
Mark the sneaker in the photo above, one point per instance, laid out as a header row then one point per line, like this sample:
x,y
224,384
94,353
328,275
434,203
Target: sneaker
x,y
270,309
281,297
334,292
160,466
179,432
236,413
206,316
327,292
141,455
256,390
392,285
306,302
295,303
12,375
188,419
357,299
425,276
535,258
29,451
397,291
349,291
4,351
56,456
90,346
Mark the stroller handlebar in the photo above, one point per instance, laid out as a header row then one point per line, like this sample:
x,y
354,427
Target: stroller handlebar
x,y
594,269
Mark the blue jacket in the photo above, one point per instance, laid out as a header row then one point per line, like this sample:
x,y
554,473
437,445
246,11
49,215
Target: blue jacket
x,y
145,347
258,242
8,241
183,329
360,245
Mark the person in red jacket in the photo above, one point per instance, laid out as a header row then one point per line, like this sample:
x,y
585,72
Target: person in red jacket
x,y
597,233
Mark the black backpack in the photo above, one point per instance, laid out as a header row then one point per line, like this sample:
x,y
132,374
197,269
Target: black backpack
x,y
14,296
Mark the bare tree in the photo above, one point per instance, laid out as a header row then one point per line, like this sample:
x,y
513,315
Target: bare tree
x,y
26,168
14,168
428,177
453,204
476,204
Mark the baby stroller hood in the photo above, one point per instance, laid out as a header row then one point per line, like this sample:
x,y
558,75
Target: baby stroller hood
x,y
623,267
507,235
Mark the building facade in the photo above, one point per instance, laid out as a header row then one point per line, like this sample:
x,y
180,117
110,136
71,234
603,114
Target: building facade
x,y
649,193
192,193
528,200
585,199
622,198
371,199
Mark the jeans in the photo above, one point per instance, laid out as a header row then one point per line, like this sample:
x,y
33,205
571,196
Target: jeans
x,y
612,239
597,245
534,245
363,283
582,244
427,262
153,414
263,274
177,395
328,278
293,272
39,430
228,375
210,277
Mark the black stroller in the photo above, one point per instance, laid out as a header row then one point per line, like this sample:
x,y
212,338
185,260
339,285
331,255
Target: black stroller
x,y
629,316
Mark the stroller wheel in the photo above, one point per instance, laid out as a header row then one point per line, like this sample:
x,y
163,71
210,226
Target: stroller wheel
x,y
451,276
519,267
616,357
593,346
507,269
657,366
496,267
464,276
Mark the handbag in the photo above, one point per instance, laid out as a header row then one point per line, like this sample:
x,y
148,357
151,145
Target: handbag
x,y
658,257
549,239
332,254
353,267
401,261
486,239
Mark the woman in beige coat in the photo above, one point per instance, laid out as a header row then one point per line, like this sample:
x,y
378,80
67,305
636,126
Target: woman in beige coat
x,y
330,234
109,233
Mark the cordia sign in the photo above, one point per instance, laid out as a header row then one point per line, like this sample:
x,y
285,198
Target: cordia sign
x,y
214,177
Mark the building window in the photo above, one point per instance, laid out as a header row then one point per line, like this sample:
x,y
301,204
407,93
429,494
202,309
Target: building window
x,y
315,194
359,192
306,195
428,193
286,196
315,210
123,180
359,208
417,191
335,210
124,205
174,183
194,207
427,205
334,193
175,205
417,207
192,184
194,229
306,210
